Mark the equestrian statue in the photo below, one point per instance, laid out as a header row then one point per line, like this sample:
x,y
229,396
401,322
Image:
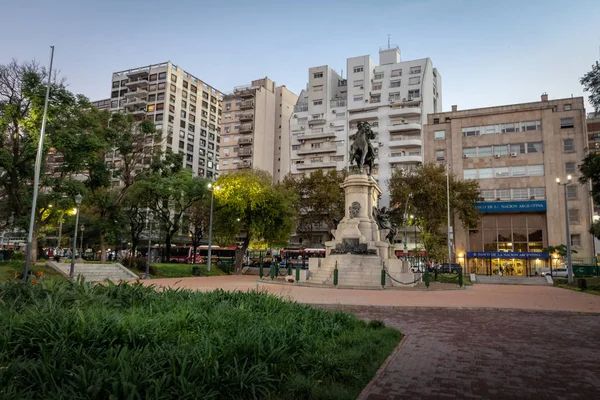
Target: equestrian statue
x,y
361,150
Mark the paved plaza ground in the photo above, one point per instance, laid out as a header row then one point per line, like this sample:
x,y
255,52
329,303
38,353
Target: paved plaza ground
x,y
485,342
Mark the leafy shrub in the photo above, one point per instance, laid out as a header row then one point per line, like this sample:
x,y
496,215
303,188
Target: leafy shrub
x,y
18,256
138,264
83,341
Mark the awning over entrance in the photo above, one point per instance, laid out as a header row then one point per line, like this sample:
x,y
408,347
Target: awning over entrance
x,y
506,254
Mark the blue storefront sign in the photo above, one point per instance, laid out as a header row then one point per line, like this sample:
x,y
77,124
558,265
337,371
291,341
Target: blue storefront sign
x,y
506,254
510,206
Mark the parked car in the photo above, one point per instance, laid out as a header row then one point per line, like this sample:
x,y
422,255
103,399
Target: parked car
x,y
449,268
558,272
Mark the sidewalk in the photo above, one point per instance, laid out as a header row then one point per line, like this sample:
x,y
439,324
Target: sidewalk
x,y
478,296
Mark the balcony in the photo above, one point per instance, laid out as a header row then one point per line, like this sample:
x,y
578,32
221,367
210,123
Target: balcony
x,y
315,150
135,101
331,164
404,127
137,83
300,107
246,117
317,119
138,73
137,93
244,91
138,112
363,115
245,140
399,158
404,141
245,164
246,104
245,152
315,135
338,103
246,128
404,111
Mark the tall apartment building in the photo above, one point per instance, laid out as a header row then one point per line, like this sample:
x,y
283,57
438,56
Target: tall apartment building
x,y
516,152
393,96
255,123
186,110
101,104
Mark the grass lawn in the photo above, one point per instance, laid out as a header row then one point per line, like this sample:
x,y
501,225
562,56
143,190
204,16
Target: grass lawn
x,y
593,284
183,270
60,339
8,269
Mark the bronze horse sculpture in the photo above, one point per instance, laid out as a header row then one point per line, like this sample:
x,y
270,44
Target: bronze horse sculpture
x,y
361,150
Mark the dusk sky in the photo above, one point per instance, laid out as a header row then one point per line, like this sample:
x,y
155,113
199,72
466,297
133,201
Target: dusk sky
x,y
488,52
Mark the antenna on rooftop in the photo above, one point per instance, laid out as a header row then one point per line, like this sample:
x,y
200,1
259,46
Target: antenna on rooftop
x,y
389,41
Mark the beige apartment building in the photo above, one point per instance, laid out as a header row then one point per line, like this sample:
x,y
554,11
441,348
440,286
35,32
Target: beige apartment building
x,y
516,152
184,108
255,124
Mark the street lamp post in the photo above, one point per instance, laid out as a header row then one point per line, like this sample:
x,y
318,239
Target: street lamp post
x,y
406,223
147,274
448,206
210,224
78,199
569,265
82,228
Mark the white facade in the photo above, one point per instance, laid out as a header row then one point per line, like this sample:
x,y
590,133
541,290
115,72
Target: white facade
x,y
186,110
394,97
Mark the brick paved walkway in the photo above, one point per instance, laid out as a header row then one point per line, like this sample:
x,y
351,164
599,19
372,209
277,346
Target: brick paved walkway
x,y
488,354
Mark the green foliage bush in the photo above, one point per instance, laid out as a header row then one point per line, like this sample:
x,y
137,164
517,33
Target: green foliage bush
x,y
18,256
138,264
68,340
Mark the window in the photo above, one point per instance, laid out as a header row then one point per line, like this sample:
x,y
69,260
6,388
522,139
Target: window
x,y
439,155
395,84
358,98
182,133
519,171
193,99
376,98
182,124
171,108
531,126
470,152
151,108
518,148
295,147
172,98
488,195
536,170
395,96
358,68
318,88
573,216
486,173
570,168
378,75
317,102
184,94
185,84
161,86
158,117
537,193
568,145
414,80
191,127
470,174
572,192
183,104
520,194
471,131
485,151
415,70
193,89
503,194
174,77
440,135
173,88
358,83
567,107
414,93
317,75
181,145
535,147
192,108
171,118
377,86
510,127
576,240
114,104
502,172
396,72
183,114
566,123
162,75
489,129
160,96
501,150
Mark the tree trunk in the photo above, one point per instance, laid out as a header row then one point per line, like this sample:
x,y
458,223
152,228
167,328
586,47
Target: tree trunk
x,y
194,247
102,248
239,254
134,244
34,244
168,247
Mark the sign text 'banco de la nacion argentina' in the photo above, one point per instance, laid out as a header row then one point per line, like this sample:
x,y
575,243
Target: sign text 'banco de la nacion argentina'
x,y
511,206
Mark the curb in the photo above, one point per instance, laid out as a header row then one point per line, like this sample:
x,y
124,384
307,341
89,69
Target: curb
x,y
364,394
393,288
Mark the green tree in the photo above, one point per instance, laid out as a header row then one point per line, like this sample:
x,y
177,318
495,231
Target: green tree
x,y
319,199
170,195
591,83
199,220
427,184
248,204
590,175
560,249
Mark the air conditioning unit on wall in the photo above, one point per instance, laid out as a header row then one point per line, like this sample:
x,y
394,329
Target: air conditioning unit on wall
x,y
513,154
496,155
465,156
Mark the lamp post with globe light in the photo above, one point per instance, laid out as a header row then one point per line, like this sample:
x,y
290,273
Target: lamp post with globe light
x,y
569,265
78,200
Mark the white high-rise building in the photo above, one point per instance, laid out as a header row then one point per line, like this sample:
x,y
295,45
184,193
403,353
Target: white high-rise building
x,y
394,97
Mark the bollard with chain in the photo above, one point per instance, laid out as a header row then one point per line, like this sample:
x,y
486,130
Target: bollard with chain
x,y
426,277
383,275
335,275
297,272
460,278
289,267
261,271
272,271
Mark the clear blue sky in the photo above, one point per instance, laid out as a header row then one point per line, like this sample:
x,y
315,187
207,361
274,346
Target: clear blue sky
x,y
488,52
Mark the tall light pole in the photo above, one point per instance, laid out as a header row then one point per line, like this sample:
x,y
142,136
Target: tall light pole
x,y
406,223
448,199
212,189
78,199
82,228
147,274
38,166
569,265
